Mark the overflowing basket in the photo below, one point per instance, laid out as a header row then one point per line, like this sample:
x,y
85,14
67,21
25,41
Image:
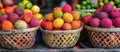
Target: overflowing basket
x,y
104,37
61,39
18,39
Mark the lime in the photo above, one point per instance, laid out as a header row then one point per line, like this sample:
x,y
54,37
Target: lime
x,y
83,7
117,1
84,3
106,1
21,4
112,2
1,14
101,4
78,6
118,5
82,15
89,7
29,5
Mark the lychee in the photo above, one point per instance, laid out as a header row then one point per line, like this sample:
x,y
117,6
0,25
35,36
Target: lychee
x,y
35,22
94,22
115,13
97,11
3,18
66,8
106,23
107,7
66,26
86,19
13,17
116,22
102,15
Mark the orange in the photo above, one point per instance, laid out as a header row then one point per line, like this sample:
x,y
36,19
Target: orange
x,y
7,25
3,11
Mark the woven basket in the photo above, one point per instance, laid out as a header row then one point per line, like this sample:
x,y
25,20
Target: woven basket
x,y
61,39
104,37
18,39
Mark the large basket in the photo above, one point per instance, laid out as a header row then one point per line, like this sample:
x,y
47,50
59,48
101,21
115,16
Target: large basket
x,y
61,39
104,37
18,39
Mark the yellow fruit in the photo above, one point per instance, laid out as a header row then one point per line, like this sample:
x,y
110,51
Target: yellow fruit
x,y
25,1
35,9
27,10
38,16
58,22
50,17
67,17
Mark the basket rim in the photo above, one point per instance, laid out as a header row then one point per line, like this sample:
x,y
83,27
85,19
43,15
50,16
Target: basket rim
x,y
102,29
63,31
19,30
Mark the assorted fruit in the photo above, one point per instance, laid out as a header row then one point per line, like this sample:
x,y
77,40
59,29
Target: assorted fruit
x,y
18,16
62,18
105,17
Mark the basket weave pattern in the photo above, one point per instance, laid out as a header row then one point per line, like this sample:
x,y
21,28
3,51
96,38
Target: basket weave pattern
x,y
60,39
103,38
18,40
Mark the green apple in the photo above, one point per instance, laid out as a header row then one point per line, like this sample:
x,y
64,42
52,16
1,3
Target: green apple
x,y
83,7
29,5
106,1
78,6
21,4
84,3
112,2
101,4
88,7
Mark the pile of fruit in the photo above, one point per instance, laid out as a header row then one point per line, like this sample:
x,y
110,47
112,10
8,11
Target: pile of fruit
x,y
105,17
14,16
115,3
85,5
62,19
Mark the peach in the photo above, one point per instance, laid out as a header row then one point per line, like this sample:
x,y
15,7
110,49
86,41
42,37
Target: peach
x,y
49,26
66,26
75,15
7,25
75,24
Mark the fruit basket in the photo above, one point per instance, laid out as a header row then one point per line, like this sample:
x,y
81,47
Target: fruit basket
x,y
18,39
61,39
104,37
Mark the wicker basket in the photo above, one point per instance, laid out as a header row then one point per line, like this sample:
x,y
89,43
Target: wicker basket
x,y
61,39
18,39
104,37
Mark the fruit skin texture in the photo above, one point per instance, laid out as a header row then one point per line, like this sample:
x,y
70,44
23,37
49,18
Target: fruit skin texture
x,y
29,5
116,22
9,10
115,13
21,4
58,13
3,18
27,11
87,18
1,5
7,25
49,26
106,23
35,9
75,15
97,11
20,24
107,7
3,11
34,22
66,26
94,22
19,10
58,22
43,23
66,8
13,17
57,8
67,17
28,17
102,15
7,2
75,24
50,17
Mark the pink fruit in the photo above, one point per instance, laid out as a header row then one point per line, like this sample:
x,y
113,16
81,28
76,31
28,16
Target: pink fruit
x,y
34,22
9,10
106,23
66,8
102,15
13,17
86,19
97,12
95,22
21,17
116,22
43,23
107,7
66,26
3,18
115,13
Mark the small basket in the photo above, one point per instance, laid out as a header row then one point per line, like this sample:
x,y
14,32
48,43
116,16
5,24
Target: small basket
x,y
18,39
104,37
61,39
